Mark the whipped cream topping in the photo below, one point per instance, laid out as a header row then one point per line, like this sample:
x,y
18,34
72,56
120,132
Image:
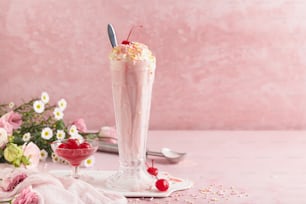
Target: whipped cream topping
x,y
132,52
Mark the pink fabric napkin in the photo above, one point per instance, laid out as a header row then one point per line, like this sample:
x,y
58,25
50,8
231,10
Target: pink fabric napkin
x,y
53,190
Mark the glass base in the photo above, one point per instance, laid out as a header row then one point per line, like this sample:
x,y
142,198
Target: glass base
x,y
130,179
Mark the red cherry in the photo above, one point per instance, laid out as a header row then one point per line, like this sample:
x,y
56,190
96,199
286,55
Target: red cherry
x,y
63,145
152,170
85,145
72,143
162,184
125,42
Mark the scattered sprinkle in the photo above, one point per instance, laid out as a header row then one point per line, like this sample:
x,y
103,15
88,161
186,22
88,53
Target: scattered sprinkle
x,y
211,194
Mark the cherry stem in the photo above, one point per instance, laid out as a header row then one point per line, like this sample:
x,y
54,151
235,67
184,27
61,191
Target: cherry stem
x,y
152,162
132,29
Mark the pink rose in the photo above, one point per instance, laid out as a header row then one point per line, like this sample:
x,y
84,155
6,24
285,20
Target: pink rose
x,y
27,196
33,152
10,121
14,119
9,184
108,134
3,137
80,125
5,125
108,131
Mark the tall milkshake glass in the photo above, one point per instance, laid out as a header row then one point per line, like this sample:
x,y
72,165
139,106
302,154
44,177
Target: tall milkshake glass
x,y
132,71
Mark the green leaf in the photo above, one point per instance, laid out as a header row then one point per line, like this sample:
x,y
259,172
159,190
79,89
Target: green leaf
x,y
25,160
60,125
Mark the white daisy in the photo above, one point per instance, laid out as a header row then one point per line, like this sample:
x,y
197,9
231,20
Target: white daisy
x,y
60,134
89,162
73,131
26,137
62,104
55,159
45,97
38,106
11,105
46,133
53,155
43,155
63,161
58,114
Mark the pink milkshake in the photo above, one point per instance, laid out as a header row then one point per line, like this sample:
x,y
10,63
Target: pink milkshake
x,y
132,71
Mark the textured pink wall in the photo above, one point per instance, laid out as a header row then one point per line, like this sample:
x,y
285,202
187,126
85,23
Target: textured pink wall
x,y
221,64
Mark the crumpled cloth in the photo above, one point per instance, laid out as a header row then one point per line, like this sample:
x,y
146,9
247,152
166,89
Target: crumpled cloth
x,y
56,190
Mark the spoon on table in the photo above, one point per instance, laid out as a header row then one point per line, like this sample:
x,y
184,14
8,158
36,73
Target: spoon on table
x,y
168,154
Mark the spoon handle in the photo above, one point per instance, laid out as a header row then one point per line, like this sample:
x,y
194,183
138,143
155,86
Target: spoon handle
x,y
112,35
153,153
113,148
108,147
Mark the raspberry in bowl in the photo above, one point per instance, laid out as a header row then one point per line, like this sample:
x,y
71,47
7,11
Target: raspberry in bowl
x,y
74,151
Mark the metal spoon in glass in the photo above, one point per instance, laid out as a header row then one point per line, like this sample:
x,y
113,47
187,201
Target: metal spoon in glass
x,y
168,154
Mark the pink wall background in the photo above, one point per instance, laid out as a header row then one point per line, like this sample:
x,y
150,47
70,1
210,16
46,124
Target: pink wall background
x,y
221,64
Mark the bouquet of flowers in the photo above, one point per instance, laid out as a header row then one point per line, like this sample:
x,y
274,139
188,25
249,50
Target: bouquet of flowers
x,y
27,130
